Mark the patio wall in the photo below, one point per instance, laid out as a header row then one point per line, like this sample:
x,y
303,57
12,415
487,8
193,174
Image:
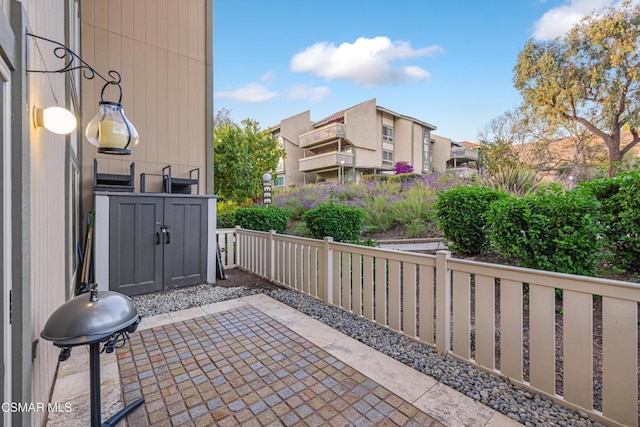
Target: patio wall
x,y
502,319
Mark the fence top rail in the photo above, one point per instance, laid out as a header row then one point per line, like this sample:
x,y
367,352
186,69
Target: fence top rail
x,y
295,239
572,282
246,231
390,254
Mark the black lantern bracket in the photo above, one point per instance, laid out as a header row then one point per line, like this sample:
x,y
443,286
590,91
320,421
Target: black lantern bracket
x,y
73,62
110,131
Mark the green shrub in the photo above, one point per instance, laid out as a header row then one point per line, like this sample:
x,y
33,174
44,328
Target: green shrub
x,y
226,212
460,214
298,228
263,218
343,223
551,230
518,180
620,216
377,214
405,178
226,219
416,204
416,228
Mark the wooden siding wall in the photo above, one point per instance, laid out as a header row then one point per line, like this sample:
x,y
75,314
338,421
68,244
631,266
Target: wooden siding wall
x,y
158,46
47,187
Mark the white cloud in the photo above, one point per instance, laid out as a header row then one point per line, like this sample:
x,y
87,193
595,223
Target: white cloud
x,y
416,72
269,76
559,20
253,92
366,61
308,93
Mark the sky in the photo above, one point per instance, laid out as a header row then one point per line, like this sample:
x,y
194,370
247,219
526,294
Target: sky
x,y
447,63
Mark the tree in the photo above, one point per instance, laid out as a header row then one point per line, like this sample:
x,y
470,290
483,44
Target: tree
x,y
242,154
505,139
590,76
222,118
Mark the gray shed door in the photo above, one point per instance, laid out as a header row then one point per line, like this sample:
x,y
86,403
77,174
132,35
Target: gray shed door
x,y
185,248
135,252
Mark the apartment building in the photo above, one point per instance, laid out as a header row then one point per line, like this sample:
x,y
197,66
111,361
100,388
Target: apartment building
x,y
163,50
363,139
460,158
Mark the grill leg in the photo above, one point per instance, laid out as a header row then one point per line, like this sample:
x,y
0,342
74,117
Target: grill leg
x,y
94,384
96,411
123,413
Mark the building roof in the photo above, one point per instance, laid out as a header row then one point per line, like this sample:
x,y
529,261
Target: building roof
x,y
468,144
340,115
413,119
334,118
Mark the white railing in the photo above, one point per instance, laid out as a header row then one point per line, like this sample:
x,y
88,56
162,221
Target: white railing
x,y
502,319
464,153
325,133
325,160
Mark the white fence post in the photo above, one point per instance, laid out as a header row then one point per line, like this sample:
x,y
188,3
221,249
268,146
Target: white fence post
x,y
443,302
236,236
271,255
326,279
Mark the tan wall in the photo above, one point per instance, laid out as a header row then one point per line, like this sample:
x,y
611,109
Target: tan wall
x,y
362,128
408,143
47,188
441,152
158,46
402,141
290,129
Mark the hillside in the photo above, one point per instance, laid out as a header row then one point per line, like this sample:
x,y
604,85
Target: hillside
x,y
562,158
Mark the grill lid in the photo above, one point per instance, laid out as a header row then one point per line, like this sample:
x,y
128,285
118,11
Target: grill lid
x,y
90,318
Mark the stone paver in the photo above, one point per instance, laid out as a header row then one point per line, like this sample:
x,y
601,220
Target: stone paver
x,y
242,367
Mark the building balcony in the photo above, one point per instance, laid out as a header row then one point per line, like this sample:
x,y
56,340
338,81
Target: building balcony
x,y
325,161
324,134
464,154
462,172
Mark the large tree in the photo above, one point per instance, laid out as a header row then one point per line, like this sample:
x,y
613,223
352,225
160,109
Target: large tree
x,y
243,153
590,76
505,140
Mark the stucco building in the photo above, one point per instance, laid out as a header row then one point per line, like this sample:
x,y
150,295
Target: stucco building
x,y
363,139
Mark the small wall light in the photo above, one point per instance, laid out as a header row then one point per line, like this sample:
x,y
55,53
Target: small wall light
x,y
55,119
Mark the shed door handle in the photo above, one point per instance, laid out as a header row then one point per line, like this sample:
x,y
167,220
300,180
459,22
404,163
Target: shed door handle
x,y
157,237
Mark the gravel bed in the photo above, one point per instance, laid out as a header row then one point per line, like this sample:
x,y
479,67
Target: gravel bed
x,y
528,408
180,299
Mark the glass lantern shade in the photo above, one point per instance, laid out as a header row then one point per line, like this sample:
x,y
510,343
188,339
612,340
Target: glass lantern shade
x,y
111,131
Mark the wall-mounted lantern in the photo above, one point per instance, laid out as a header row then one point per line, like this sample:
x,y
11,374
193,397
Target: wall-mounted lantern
x,y
110,130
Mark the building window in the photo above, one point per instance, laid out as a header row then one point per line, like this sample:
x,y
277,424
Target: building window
x,y
279,181
387,134
387,158
427,152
